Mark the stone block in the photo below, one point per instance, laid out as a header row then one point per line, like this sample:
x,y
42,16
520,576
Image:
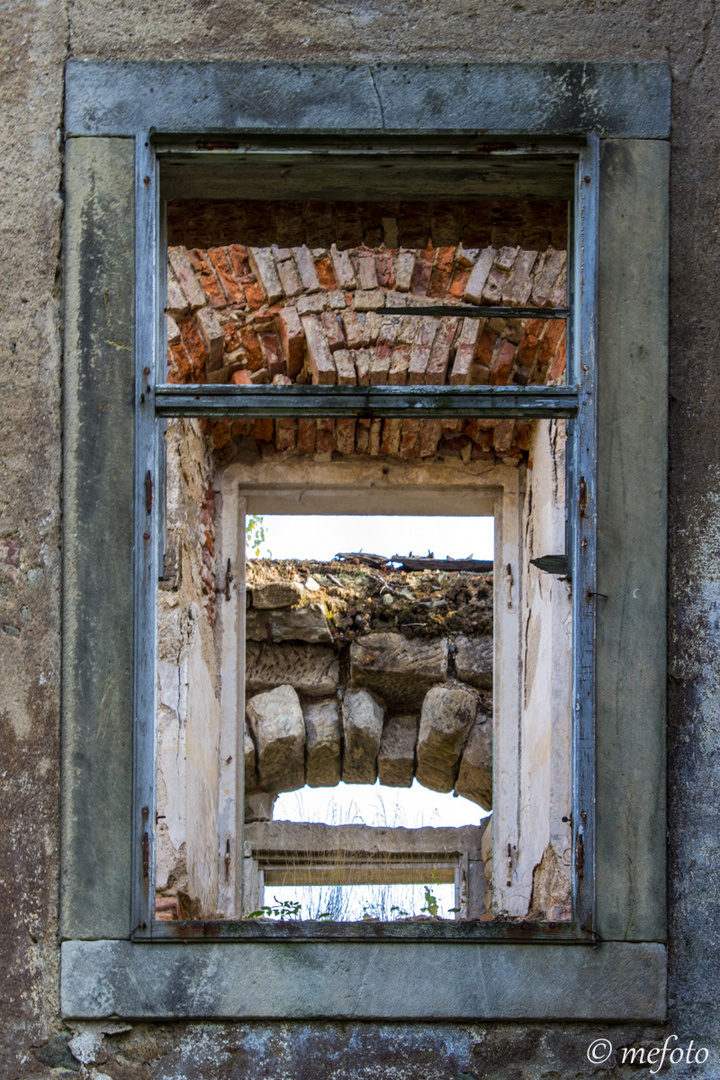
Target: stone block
x,y
474,780
474,660
259,806
396,759
276,594
401,671
312,669
447,716
277,724
306,623
322,743
362,719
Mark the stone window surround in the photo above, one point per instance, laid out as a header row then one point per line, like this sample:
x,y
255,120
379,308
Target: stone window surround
x,y
102,971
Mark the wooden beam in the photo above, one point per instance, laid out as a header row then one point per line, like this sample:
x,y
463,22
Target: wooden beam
x,y
532,402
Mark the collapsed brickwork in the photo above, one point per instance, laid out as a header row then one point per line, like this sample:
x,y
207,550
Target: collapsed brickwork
x,y
278,308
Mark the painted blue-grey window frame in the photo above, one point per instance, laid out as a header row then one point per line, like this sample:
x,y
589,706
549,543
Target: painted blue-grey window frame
x,y
104,100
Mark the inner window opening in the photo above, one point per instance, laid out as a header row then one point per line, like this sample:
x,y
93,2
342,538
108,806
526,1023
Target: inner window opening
x,y
261,293
373,600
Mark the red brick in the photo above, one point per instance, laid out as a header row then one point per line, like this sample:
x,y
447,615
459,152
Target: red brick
x,y
485,346
522,437
241,378
239,260
180,364
324,436
420,277
285,434
322,364
429,437
384,270
436,371
206,276
391,437
306,436
241,428
176,300
375,437
213,336
439,283
399,365
221,434
194,345
345,435
354,330
557,367
293,340
367,277
363,360
502,362
554,331
527,348
182,266
252,347
224,270
333,330
504,431
345,366
253,292
273,354
232,337
409,438
325,273
362,436
458,284
465,352
262,430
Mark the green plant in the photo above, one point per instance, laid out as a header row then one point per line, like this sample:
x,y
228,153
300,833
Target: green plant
x,y
255,536
283,909
431,904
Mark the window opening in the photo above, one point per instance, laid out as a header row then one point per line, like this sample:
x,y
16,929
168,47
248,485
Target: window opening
x,y
336,296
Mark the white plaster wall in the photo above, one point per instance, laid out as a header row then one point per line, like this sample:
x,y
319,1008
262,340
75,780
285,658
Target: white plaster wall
x,y
545,683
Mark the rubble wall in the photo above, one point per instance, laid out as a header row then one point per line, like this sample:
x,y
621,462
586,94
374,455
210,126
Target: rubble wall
x,y
390,656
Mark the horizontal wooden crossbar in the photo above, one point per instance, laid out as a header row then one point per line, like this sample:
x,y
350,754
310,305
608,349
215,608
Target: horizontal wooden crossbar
x,y
532,402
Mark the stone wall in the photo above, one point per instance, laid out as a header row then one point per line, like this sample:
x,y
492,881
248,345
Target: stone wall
x,y
362,675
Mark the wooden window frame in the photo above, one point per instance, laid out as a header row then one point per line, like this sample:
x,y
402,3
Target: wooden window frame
x,y
524,949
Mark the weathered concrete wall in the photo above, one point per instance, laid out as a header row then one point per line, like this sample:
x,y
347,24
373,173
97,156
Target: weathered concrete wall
x,y
37,37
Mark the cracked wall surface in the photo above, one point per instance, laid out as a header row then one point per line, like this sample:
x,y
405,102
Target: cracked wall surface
x,y
37,36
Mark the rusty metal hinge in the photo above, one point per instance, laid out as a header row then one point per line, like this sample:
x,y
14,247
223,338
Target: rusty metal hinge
x,y
145,843
580,857
148,492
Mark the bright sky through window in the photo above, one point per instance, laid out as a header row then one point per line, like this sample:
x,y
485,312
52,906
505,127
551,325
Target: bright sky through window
x,y
294,536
